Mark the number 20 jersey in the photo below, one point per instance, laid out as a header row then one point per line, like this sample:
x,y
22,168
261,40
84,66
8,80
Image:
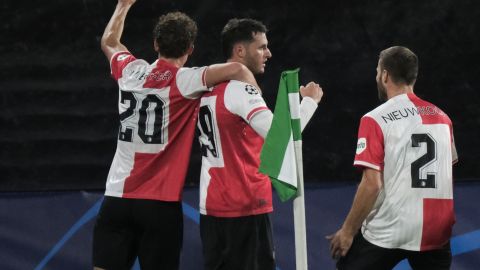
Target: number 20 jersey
x,y
158,105
411,142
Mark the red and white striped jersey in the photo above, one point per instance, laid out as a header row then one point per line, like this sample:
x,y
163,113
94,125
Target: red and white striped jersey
x,y
411,142
158,105
230,184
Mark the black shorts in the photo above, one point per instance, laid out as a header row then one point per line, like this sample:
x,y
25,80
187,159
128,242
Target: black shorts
x,y
243,243
364,255
127,228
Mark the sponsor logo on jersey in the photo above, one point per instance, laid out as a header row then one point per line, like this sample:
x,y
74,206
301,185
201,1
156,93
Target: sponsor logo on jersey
x,y
361,145
122,57
160,76
251,90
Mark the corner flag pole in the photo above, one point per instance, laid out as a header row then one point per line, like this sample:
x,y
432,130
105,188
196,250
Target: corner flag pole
x,y
299,213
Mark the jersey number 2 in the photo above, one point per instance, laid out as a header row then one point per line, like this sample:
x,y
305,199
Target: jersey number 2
x,y
150,134
417,181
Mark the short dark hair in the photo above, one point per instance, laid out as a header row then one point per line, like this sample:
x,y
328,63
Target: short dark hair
x,y
239,30
401,63
175,33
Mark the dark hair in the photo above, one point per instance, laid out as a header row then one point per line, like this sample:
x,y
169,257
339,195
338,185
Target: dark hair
x,y
401,63
239,30
175,33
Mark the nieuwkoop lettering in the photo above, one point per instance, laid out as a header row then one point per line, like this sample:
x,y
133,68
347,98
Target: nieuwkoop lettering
x,y
407,112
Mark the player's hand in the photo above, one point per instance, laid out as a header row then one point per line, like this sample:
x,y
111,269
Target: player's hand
x,y
312,90
340,243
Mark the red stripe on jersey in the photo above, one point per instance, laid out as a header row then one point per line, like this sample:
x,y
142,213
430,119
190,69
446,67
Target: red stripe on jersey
x,y
438,220
161,76
430,113
372,152
250,114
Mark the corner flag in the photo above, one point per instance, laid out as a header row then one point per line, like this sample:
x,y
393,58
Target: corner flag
x,y
278,153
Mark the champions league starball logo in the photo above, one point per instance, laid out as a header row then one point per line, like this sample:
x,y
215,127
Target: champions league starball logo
x,y
250,89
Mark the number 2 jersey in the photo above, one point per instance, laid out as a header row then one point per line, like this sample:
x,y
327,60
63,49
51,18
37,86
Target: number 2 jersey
x,y
411,142
158,105
230,184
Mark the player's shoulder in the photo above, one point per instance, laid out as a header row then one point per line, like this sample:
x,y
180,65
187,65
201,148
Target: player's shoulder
x,y
241,88
390,105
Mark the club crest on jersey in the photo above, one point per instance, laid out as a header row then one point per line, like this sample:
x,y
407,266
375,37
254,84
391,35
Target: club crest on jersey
x,y
251,90
361,145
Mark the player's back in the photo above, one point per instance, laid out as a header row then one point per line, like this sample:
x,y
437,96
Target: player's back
x,y
414,138
230,184
157,106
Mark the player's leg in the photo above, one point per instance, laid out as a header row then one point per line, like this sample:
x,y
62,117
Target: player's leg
x,y
439,259
265,248
161,228
114,245
249,243
365,256
212,233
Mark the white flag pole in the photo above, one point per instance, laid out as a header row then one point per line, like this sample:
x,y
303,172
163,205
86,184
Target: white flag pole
x,y
299,213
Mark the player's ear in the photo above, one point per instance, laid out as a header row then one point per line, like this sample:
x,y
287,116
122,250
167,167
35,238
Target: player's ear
x,y
239,50
155,45
385,76
190,50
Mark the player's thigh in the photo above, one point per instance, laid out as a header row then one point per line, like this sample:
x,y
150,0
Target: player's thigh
x,y
440,259
365,256
161,227
114,241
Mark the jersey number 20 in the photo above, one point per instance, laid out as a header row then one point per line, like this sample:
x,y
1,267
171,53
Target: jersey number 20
x,y
150,134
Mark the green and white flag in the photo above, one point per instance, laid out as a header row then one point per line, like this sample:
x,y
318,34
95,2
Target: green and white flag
x,y
278,153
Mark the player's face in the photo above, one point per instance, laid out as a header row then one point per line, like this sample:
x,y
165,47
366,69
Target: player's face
x,y
382,91
257,53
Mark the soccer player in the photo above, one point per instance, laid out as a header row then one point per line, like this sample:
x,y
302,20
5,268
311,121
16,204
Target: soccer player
x,y
235,198
141,214
403,207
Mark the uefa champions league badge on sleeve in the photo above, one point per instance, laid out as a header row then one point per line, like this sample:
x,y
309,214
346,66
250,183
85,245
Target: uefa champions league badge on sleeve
x,y
251,90
361,145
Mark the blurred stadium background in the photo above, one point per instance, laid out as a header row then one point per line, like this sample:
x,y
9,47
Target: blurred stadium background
x,y
59,121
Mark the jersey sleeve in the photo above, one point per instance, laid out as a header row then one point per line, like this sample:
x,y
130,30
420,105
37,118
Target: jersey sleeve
x,y
370,146
244,100
454,148
118,62
191,82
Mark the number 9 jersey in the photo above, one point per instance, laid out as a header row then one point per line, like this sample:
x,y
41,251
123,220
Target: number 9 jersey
x,y
158,106
411,142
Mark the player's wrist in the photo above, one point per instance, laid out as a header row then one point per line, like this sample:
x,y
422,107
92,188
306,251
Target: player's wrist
x,y
349,230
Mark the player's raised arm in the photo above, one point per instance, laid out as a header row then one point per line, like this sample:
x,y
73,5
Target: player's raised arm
x,y
110,42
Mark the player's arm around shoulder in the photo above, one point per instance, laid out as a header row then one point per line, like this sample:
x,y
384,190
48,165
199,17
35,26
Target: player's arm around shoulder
x,y
193,82
218,73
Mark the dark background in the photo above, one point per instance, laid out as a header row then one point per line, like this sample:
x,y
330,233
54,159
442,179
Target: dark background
x,y
58,106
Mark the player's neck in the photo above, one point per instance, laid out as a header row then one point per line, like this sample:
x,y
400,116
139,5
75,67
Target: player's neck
x,y
178,62
399,90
